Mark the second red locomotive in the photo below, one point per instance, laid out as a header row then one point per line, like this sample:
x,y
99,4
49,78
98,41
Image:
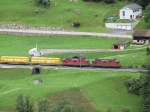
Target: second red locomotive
x,y
83,62
106,63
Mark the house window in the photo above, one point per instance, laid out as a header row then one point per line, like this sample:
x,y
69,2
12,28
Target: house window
x,y
123,13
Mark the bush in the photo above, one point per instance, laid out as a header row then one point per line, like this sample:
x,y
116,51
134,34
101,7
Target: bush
x,y
148,51
125,110
134,86
109,1
106,1
66,106
23,104
43,106
45,3
76,24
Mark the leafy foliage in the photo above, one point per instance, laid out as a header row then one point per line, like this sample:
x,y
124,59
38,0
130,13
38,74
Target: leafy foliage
x,y
141,86
147,15
43,106
66,106
106,1
134,86
45,3
23,104
143,3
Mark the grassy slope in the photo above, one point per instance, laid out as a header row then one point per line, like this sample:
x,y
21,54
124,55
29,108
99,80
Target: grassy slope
x,y
61,14
21,45
132,58
104,89
142,25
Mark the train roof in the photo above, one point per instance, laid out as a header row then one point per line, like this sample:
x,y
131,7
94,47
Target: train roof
x,y
105,59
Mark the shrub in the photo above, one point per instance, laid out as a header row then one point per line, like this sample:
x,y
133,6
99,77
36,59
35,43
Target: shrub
x,y
106,1
43,106
45,3
134,86
23,104
125,110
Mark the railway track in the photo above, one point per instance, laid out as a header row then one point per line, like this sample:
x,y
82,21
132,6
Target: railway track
x,y
73,68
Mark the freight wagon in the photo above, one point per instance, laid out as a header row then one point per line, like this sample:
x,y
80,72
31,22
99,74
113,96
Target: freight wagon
x,y
45,61
75,61
14,60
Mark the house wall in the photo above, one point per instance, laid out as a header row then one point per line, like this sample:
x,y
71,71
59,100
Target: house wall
x,y
129,12
138,13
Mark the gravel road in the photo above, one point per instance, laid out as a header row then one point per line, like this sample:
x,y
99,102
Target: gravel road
x,y
50,32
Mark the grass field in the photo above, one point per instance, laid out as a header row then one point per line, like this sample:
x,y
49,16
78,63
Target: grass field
x,y
135,58
62,13
142,25
104,89
20,45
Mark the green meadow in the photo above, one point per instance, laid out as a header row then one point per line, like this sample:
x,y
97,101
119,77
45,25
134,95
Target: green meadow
x,y
104,89
61,14
20,45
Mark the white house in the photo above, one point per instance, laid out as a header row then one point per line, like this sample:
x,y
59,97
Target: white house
x,y
131,11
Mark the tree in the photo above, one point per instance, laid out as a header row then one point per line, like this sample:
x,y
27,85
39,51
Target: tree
x,y
43,106
142,87
109,1
66,106
148,51
147,15
23,104
134,86
143,3
145,90
106,1
45,3
20,103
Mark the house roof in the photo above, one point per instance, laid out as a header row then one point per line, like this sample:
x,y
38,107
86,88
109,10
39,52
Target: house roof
x,y
142,33
133,6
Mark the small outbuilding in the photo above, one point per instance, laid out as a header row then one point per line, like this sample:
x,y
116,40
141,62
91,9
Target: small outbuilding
x,y
121,45
131,11
141,37
118,46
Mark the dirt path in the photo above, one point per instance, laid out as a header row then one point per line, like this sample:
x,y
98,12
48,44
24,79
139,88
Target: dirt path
x,y
59,51
51,32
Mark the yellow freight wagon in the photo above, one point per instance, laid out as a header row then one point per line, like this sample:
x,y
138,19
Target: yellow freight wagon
x,y
46,61
14,60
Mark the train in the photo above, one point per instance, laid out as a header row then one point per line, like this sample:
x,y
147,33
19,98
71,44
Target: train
x,y
74,61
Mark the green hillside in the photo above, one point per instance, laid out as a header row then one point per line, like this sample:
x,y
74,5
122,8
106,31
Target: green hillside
x,y
62,13
104,89
22,44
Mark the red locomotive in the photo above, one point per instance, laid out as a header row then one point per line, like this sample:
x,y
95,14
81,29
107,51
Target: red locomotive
x,y
76,61
106,63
